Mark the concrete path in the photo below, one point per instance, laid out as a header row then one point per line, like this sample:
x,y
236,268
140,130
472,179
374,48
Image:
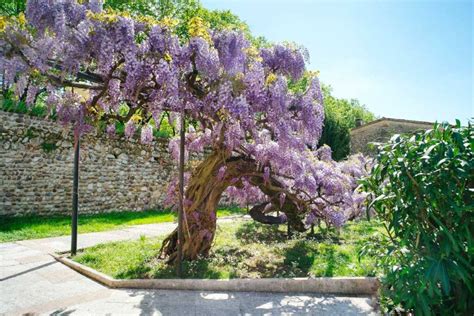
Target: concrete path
x,y
32,282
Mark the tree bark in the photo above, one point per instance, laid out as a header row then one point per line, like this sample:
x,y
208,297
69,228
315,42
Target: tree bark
x,y
260,212
202,196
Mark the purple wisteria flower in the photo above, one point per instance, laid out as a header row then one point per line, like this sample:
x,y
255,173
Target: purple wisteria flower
x,y
282,199
110,129
221,173
31,95
336,218
266,174
130,129
146,136
230,47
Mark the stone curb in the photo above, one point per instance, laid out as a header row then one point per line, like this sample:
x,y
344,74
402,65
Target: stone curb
x,y
336,285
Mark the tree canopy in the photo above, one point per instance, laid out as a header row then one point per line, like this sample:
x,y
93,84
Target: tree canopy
x,y
12,7
97,64
188,16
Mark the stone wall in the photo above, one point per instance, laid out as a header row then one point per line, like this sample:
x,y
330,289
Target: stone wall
x,y
36,161
381,131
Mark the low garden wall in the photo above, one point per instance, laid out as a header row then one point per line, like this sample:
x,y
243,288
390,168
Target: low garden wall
x,y
36,163
324,285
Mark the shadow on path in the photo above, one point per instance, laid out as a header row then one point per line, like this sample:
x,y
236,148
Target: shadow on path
x,y
248,303
28,271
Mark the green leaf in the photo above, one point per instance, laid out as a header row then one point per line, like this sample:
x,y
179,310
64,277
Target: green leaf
x,y
444,278
423,304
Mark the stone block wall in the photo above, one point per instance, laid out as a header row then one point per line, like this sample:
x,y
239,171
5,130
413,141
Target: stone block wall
x,y
36,161
381,131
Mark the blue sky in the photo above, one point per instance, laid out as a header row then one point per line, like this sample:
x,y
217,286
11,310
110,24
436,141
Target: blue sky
x,y
402,59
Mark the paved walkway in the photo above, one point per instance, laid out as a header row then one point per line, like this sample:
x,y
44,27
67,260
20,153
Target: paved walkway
x,y
32,282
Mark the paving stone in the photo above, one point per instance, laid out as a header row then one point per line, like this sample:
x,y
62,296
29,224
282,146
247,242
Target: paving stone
x,y
31,281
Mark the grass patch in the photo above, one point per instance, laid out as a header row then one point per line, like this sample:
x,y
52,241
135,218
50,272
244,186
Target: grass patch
x,y
32,227
245,249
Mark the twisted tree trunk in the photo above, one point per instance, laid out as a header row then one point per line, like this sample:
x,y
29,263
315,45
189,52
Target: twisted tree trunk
x,y
202,196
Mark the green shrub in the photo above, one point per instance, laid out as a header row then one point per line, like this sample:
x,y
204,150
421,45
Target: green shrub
x,y
9,103
423,188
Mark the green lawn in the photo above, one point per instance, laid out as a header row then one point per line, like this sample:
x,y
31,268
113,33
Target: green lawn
x,y
32,227
245,249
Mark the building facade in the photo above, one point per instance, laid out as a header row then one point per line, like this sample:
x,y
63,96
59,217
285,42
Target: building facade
x,y
381,130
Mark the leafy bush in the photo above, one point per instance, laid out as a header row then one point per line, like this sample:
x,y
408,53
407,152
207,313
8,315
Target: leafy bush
x,y
8,103
423,188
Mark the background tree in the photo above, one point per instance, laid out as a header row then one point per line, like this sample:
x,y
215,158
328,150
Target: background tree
x,y
12,7
341,116
336,135
260,133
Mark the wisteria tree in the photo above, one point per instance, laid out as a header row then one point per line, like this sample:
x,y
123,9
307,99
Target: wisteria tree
x,y
259,137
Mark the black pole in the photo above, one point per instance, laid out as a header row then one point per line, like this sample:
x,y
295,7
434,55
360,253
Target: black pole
x,y
181,198
75,194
